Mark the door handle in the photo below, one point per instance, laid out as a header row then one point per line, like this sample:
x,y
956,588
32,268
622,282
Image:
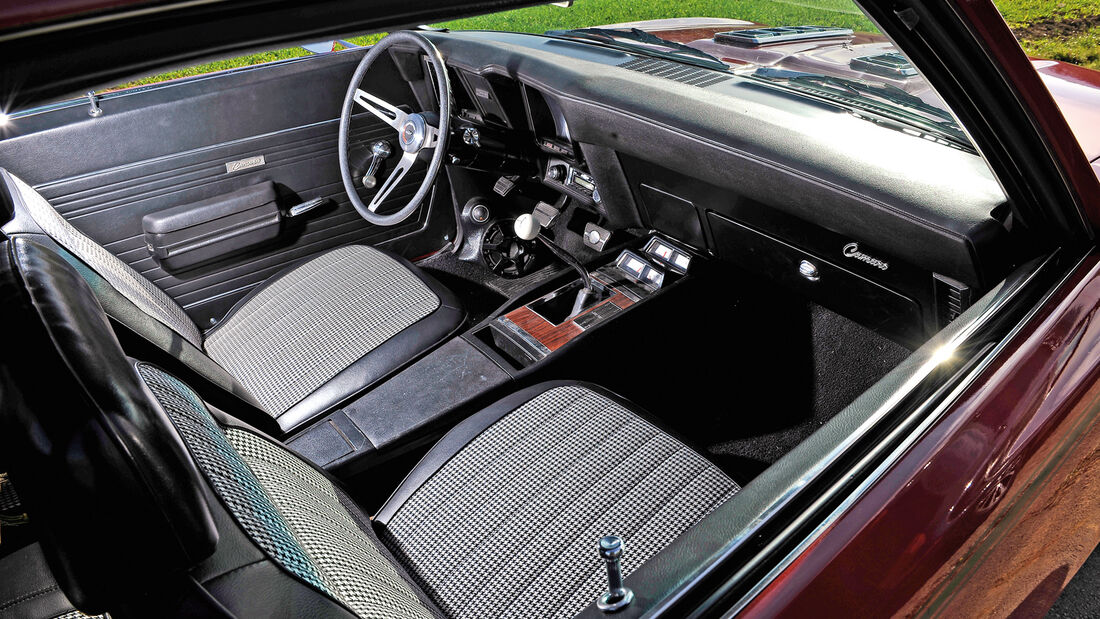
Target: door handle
x,y
305,207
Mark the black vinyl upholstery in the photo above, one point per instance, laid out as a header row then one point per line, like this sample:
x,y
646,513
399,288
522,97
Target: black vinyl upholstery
x,y
186,511
96,461
148,313
28,588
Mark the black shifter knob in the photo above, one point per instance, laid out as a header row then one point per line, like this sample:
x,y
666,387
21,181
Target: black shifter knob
x,y
617,597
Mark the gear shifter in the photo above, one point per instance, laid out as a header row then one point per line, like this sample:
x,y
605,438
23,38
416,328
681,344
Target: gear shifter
x,y
528,228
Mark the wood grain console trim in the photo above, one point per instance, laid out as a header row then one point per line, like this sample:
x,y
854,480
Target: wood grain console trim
x,y
552,336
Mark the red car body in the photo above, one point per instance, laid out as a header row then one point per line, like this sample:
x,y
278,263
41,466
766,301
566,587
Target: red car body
x,y
994,507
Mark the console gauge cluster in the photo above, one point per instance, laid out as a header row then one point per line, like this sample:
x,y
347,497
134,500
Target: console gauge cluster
x,y
640,269
668,254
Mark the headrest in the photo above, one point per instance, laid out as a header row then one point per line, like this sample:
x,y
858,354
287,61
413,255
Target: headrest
x,y
103,474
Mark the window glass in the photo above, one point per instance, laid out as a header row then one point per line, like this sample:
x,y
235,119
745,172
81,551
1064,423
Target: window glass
x,y
583,13
1066,30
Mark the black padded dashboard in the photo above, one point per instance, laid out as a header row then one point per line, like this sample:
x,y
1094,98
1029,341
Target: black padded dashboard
x,y
757,156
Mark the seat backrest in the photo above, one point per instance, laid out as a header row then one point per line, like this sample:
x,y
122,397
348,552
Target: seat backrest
x,y
107,480
131,284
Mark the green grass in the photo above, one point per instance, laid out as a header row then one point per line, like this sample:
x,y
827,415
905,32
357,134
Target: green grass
x,y
1079,45
1024,12
1081,49
595,12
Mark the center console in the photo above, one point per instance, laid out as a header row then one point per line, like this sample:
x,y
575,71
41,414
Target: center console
x,y
527,334
471,371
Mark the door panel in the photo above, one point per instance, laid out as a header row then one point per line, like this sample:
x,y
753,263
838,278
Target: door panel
x,y
169,145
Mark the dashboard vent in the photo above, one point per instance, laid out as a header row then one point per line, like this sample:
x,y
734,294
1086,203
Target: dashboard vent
x,y
952,297
891,64
676,72
755,37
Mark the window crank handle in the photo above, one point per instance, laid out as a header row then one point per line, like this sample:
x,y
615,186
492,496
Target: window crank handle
x,y
380,151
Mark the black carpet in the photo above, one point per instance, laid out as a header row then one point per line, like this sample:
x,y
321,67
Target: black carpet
x,y
846,360
739,368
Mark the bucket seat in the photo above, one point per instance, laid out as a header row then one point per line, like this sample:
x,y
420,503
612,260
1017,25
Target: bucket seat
x,y
153,503
306,339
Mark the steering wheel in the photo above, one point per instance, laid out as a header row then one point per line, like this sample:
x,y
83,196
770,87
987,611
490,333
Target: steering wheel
x,y
416,133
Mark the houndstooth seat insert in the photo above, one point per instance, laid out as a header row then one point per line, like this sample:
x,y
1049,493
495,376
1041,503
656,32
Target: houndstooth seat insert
x,y
547,471
298,344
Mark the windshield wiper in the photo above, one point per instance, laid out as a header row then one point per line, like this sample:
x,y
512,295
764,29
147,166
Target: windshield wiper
x,y
621,39
884,99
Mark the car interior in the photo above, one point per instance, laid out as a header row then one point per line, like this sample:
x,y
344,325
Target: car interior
x,y
460,324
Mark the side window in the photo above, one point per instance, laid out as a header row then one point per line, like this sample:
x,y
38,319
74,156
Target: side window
x,y
250,60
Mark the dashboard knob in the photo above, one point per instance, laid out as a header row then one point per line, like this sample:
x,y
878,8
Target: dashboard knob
x,y
480,213
555,172
471,136
527,227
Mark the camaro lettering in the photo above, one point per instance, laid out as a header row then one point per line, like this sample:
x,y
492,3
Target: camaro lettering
x,y
851,250
244,164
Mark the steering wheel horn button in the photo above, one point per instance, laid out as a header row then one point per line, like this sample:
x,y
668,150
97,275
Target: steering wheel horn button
x,y
414,134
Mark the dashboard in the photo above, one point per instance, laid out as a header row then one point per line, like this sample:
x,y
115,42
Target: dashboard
x,y
893,231
507,126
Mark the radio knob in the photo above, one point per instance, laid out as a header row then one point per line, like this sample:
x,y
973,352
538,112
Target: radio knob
x,y
556,172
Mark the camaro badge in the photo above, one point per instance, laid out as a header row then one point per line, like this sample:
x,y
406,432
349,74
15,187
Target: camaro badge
x,y
851,250
244,164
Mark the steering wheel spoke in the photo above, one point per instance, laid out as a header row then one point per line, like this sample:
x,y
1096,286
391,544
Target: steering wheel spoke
x,y
431,136
399,171
389,114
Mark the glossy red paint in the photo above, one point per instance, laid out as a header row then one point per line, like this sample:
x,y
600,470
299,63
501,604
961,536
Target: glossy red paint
x,y
1077,91
15,13
993,510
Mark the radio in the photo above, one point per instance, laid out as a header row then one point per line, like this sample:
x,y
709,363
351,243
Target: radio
x,y
574,180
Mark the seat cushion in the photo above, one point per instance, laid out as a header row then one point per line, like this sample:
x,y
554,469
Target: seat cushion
x,y
502,517
301,329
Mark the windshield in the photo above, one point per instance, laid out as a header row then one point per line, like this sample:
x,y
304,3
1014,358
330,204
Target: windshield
x,y
821,49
